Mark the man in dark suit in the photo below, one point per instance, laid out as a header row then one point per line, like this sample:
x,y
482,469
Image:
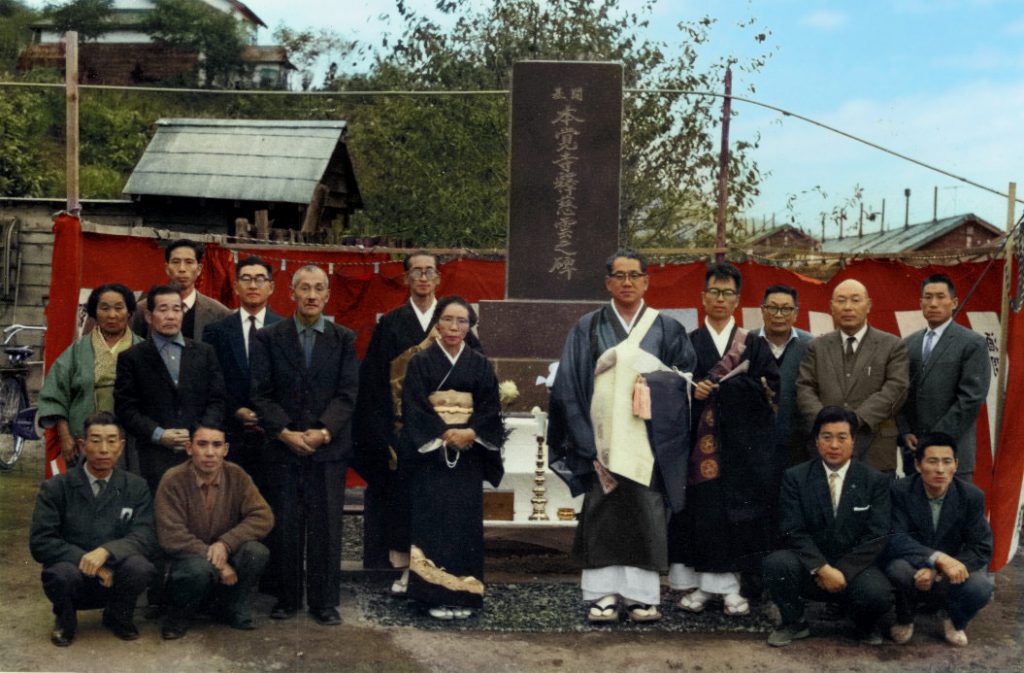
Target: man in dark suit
x,y
184,264
166,385
232,339
835,523
859,368
779,310
304,378
950,372
92,529
941,544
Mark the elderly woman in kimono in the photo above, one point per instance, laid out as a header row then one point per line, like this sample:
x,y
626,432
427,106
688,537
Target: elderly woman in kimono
x,y
81,381
450,443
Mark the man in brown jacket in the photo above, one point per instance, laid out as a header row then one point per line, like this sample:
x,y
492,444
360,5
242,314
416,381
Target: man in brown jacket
x,y
210,518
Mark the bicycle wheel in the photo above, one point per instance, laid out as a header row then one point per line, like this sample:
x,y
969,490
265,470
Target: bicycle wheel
x,y
12,398
10,450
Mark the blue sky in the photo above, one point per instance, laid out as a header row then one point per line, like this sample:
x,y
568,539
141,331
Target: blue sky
x,y
939,80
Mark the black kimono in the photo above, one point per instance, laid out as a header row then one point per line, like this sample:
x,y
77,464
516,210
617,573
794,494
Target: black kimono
x,y
446,485
725,526
386,522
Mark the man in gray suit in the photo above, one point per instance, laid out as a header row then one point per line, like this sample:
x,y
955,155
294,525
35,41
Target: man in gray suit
x,y
950,373
859,368
184,264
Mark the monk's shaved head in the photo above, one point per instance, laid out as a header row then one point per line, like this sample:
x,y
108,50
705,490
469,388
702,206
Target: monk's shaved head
x,y
850,306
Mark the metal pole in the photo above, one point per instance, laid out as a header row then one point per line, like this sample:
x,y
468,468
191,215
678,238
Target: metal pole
x,y
1004,315
71,113
723,169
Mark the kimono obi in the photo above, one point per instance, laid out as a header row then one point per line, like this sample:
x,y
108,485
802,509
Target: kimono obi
x,y
454,407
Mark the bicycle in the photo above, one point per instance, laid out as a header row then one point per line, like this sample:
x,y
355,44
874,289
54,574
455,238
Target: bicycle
x,y
17,417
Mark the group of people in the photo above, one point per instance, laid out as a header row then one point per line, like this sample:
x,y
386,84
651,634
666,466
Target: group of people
x,y
746,462
206,445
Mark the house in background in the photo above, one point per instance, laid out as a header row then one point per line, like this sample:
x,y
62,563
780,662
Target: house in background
x,y
960,233
125,55
783,237
290,180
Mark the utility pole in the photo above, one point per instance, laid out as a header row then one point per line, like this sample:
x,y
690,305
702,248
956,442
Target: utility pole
x,y
723,169
71,113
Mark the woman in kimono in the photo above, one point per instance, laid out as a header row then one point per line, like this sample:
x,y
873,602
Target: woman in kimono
x,y
81,381
450,443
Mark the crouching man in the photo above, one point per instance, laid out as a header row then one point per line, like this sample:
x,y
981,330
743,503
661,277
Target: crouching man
x,y
835,518
92,529
210,518
941,544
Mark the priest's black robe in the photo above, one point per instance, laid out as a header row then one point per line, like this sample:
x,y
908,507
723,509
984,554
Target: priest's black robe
x,y
725,526
447,513
627,526
386,501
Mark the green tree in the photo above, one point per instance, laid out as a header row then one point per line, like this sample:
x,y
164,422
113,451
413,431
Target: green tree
x,y
307,49
26,142
15,32
90,18
194,26
436,168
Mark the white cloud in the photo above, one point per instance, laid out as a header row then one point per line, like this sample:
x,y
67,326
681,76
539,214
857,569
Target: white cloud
x,y
824,19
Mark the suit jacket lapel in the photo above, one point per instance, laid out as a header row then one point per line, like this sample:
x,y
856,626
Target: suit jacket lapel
x,y
921,511
237,338
835,353
819,487
156,363
322,348
937,348
289,343
851,486
948,513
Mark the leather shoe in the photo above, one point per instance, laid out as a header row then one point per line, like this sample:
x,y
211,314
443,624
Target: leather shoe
x,y
326,616
282,611
64,629
125,630
173,628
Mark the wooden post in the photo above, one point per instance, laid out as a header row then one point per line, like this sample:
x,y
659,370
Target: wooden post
x,y
1004,314
723,169
71,113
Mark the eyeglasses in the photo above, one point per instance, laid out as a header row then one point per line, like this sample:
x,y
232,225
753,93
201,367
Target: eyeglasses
x,y
621,276
716,293
258,281
426,274
778,310
462,323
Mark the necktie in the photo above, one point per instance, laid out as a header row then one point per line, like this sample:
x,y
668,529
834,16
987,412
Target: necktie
x,y
929,342
252,334
100,485
849,347
833,489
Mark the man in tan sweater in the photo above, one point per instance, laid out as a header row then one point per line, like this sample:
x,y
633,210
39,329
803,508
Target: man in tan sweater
x,y
210,518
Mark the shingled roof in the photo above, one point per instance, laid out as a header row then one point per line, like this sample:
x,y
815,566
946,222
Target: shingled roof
x,y
902,239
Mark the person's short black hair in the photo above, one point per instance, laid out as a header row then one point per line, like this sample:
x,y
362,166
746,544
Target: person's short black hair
x,y
445,302
833,414
157,290
184,243
253,260
94,298
933,439
939,278
723,271
778,289
628,253
101,418
419,253
207,426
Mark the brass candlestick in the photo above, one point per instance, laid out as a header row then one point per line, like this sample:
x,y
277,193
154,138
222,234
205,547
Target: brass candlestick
x,y
539,499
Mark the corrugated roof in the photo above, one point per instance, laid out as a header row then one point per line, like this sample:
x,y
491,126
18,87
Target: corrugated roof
x,y
901,239
247,160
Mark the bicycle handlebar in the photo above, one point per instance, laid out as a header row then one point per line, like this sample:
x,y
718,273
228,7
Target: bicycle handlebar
x,y
11,330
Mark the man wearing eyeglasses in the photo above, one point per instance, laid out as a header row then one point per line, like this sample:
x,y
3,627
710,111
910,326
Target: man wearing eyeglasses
x,y
788,344
859,368
210,518
232,338
399,334
621,536
725,528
